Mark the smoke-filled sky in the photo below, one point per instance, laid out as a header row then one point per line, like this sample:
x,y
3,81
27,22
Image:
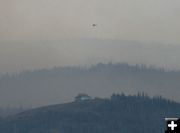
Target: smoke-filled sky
x,y
25,23
27,20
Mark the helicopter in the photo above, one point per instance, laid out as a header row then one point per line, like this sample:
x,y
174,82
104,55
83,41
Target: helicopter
x,y
94,25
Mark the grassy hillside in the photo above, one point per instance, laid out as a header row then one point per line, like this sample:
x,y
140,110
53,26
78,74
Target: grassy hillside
x,y
119,114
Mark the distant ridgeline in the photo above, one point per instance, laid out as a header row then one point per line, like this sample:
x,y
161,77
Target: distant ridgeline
x,y
119,114
98,80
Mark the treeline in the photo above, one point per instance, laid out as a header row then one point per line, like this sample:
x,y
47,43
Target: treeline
x,y
98,80
120,113
118,67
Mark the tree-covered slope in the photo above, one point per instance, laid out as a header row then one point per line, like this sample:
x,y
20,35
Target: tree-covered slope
x,y
49,86
119,114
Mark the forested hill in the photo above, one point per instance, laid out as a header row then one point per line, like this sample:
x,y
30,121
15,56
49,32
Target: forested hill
x,y
119,114
61,84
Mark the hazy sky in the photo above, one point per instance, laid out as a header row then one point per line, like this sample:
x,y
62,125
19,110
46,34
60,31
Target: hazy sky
x,y
27,56
33,21
150,20
37,34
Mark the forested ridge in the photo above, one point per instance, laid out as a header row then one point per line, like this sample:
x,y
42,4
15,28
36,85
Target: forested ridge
x,y
118,114
61,84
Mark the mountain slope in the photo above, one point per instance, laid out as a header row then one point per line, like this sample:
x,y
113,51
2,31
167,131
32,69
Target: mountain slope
x,y
49,86
128,114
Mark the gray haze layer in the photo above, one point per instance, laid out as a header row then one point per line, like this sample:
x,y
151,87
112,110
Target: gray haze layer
x,y
16,57
24,23
58,85
36,34
36,20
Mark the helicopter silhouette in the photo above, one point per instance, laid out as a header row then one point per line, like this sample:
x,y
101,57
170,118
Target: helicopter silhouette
x,y
94,25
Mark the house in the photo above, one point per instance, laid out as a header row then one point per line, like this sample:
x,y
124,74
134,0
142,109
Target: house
x,y
82,97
